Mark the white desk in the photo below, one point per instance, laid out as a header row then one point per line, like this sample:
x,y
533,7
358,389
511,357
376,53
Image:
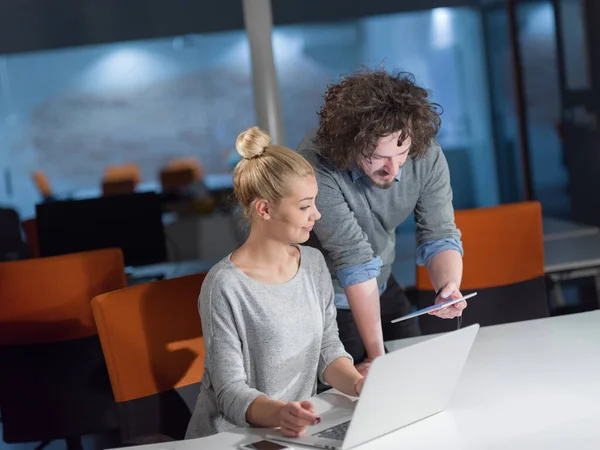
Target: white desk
x,y
526,386
572,258
556,229
572,253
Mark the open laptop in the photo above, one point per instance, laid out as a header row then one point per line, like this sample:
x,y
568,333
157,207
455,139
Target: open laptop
x,y
402,387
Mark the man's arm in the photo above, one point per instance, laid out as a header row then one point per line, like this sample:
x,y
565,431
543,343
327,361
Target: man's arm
x,y
366,311
445,268
439,247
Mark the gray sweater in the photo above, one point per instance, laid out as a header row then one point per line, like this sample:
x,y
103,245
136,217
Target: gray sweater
x,y
357,230
271,340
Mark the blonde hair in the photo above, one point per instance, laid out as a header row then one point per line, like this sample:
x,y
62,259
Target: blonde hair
x,y
265,172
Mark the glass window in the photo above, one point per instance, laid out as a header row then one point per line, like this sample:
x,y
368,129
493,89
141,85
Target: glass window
x,y
539,65
72,112
441,47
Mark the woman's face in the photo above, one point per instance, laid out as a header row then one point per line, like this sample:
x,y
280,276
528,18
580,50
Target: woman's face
x,y
292,220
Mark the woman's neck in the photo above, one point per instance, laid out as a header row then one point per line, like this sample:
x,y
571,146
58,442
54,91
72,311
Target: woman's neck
x,y
265,251
266,260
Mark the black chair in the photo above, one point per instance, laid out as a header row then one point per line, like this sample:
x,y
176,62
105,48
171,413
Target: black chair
x,y
12,245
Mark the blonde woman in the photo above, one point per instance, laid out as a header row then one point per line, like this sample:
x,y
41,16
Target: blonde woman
x,y
267,309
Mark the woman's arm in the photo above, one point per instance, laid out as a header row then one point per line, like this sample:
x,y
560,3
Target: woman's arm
x,y
224,357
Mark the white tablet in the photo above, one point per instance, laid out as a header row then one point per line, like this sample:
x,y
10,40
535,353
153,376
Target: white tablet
x,y
436,307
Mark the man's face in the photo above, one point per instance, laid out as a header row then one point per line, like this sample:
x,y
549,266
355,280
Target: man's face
x,y
383,166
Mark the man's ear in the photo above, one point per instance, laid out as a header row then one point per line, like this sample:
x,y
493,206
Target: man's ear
x,y
263,209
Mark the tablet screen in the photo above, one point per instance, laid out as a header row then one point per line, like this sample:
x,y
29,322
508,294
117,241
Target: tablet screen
x,y
435,307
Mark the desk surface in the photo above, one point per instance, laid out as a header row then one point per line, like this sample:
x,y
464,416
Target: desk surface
x,y
555,229
531,385
572,253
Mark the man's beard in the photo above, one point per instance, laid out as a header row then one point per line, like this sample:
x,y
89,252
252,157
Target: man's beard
x,y
382,184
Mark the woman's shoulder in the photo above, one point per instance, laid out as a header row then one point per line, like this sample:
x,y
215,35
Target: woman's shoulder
x,y
311,257
220,276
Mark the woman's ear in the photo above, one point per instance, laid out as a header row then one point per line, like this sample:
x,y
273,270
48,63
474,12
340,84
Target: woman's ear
x,y
263,209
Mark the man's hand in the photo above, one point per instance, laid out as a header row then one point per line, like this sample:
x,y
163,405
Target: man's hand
x,y
449,292
363,367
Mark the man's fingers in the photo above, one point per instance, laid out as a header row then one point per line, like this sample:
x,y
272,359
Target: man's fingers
x,y
448,313
460,305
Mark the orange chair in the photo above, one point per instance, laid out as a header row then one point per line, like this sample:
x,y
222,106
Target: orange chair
x,y
53,378
152,339
180,173
503,261
43,185
120,179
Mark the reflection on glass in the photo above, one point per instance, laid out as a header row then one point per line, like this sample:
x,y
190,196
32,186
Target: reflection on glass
x,y
441,47
575,46
72,112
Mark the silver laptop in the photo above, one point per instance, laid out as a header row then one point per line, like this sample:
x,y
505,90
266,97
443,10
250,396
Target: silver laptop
x,y
402,387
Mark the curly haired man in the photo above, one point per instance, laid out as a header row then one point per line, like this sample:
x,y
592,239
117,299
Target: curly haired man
x,y
377,162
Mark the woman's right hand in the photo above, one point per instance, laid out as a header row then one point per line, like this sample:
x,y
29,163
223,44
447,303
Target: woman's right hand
x,y
294,417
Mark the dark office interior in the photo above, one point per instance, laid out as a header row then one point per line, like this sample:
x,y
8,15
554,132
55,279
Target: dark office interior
x,y
118,122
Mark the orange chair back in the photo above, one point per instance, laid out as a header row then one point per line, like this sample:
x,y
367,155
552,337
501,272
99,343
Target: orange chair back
x,y
503,261
43,185
48,299
121,179
181,172
152,340
503,245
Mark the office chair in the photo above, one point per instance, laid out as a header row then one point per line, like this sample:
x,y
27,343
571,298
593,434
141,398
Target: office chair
x,y
53,378
12,246
503,261
120,179
152,340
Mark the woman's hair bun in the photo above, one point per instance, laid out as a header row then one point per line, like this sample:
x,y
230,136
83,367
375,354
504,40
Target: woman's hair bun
x,y
252,142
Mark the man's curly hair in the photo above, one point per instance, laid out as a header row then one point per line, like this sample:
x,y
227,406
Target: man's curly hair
x,y
368,105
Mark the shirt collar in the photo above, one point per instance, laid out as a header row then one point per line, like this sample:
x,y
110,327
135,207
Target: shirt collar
x,y
356,174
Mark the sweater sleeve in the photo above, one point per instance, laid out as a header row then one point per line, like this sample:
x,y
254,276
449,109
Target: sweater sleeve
x,y
224,354
434,214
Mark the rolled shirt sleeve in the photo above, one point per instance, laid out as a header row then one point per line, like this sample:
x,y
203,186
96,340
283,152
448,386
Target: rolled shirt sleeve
x,y
428,250
359,273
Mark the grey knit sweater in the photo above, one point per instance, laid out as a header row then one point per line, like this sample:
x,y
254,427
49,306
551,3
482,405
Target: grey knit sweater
x,y
271,340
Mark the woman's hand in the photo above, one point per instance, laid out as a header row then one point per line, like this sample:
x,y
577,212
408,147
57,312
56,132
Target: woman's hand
x,y
294,417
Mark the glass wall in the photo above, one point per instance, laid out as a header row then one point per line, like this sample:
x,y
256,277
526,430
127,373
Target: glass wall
x,y
539,64
441,47
74,111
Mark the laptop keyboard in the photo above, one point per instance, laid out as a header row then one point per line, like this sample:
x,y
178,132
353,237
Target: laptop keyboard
x,y
337,432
